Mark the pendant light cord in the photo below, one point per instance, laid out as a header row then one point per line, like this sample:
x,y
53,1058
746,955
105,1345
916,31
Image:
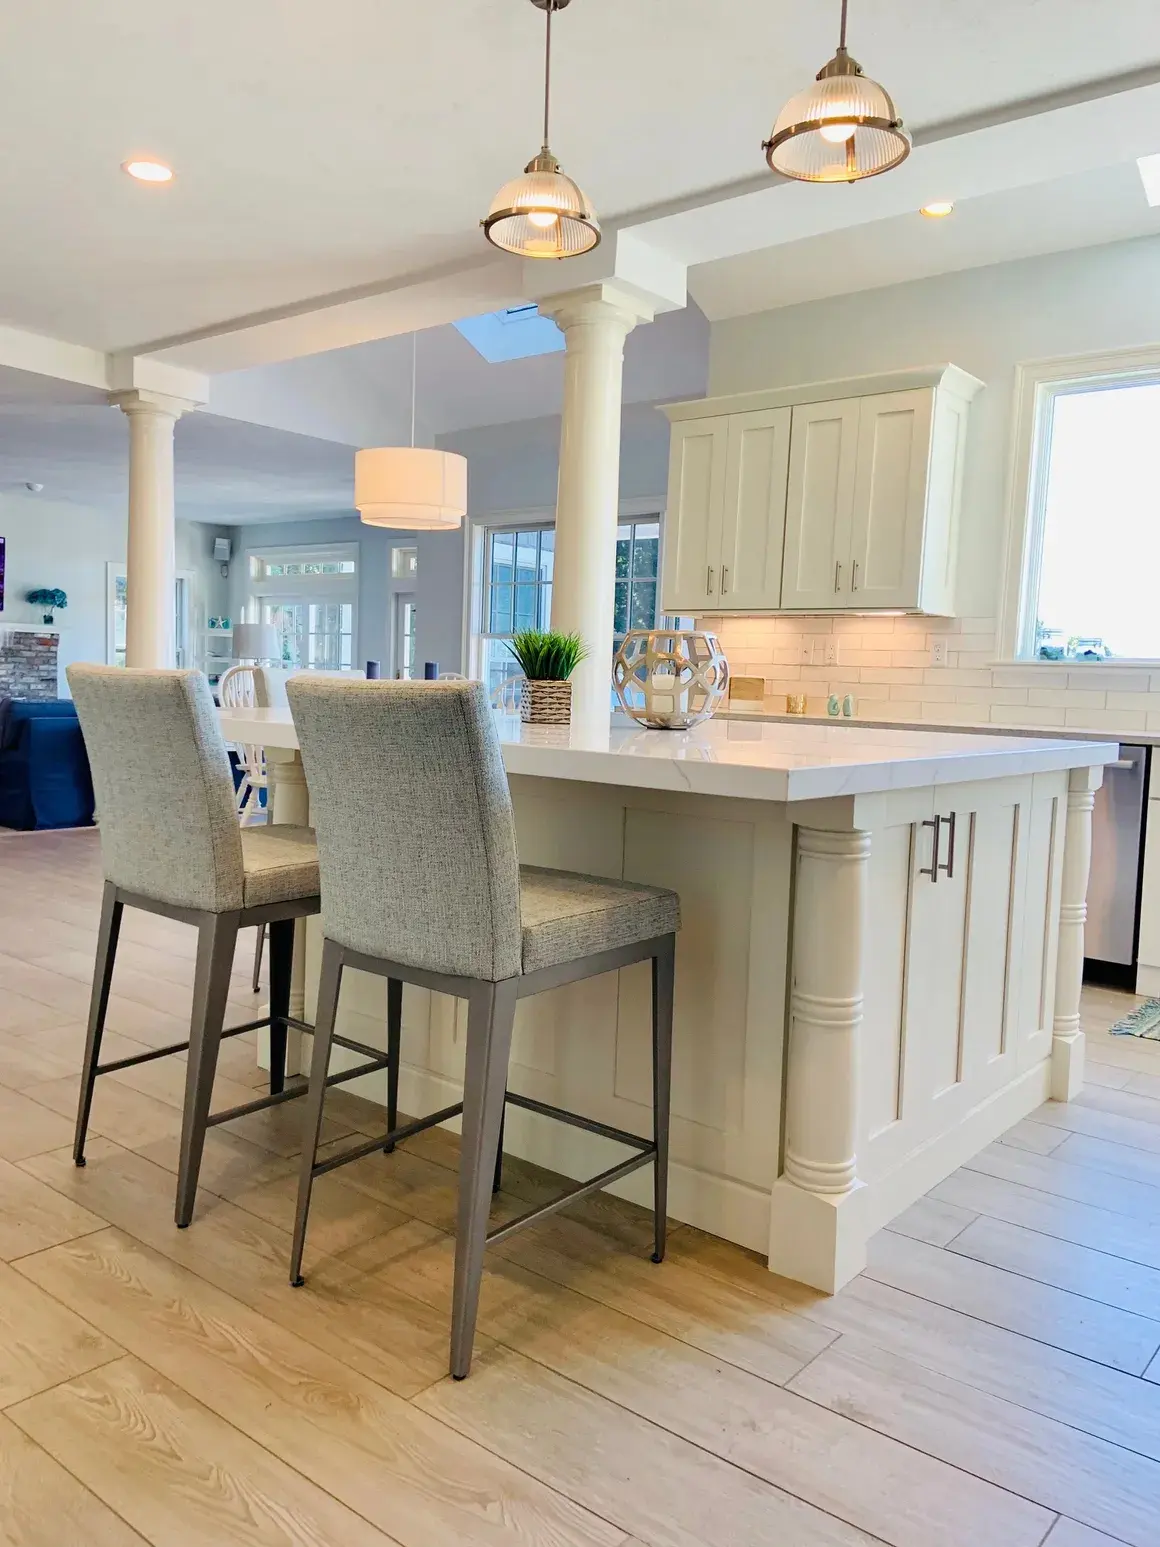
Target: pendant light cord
x,y
548,68
414,363
842,39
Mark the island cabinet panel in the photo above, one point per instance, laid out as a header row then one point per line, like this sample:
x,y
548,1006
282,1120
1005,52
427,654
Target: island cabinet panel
x,y
960,963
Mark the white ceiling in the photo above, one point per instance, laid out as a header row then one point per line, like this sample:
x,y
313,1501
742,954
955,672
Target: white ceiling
x,y
317,151
1091,208
76,445
280,445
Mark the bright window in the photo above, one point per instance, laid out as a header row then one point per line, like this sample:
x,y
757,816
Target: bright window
x,y
638,547
517,593
517,587
310,595
1093,535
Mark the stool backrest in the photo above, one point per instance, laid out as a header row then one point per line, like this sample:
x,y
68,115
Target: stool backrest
x,y
165,795
416,838
270,686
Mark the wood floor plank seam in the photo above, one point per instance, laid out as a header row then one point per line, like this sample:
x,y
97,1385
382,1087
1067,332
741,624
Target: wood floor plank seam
x,y
758,1476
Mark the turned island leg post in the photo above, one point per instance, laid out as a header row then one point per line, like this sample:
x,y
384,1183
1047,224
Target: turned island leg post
x,y
1067,1040
817,1230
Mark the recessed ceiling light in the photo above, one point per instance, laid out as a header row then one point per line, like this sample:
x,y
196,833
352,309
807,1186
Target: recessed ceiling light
x,y
148,171
1150,176
938,209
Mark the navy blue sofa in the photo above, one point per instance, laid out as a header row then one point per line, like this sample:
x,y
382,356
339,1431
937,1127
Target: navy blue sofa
x,y
44,768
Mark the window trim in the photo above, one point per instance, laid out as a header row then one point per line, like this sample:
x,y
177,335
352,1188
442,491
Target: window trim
x,y
1037,385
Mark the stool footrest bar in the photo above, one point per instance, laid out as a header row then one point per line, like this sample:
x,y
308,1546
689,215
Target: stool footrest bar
x,y
589,1124
291,1093
396,1135
581,1190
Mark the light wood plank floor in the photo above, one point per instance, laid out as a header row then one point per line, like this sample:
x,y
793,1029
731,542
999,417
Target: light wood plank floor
x,y
992,1378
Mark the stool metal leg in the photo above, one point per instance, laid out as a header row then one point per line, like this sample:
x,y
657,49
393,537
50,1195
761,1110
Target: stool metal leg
x,y
663,971
281,967
491,1014
394,1045
107,936
329,983
217,936
497,1178
258,944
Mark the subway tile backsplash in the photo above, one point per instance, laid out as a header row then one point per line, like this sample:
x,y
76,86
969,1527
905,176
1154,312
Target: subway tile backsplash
x,y
886,663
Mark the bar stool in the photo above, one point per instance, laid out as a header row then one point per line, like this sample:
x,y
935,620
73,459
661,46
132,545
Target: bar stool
x,y
421,884
185,857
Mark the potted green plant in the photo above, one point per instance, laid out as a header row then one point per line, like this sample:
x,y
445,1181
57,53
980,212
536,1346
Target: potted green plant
x,y
51,598
547,660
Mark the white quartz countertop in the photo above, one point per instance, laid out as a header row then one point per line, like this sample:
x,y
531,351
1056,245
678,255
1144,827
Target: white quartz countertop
x,y
747,760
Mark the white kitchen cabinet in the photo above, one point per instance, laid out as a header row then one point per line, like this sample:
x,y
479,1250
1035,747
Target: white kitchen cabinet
x,y
693,515
872,488
725,519
753,529
820,506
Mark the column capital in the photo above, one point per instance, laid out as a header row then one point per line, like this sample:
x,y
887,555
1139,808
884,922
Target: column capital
x,y
601,302
139,400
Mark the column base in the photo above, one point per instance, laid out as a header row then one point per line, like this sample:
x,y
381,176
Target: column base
x,y
1067,1065
817,1238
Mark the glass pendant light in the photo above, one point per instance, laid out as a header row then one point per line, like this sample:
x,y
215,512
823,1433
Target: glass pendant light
x,y
413,488
839,130
543,213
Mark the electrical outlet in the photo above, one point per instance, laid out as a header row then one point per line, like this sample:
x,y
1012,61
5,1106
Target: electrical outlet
x,y
830,657
938,652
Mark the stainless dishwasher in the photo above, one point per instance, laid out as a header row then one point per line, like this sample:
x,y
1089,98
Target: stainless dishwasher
x,y
1113,901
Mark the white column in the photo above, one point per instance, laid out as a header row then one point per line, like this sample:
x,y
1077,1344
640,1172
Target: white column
x,y
151,561
817,1230
1067,1040
595,321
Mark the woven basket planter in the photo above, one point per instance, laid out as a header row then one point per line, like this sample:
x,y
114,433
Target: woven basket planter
x,y
546,703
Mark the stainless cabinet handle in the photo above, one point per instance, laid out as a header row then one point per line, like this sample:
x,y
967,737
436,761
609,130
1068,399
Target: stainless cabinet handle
x,y
837,574
724,580
854,576
709,581
949,867
934,867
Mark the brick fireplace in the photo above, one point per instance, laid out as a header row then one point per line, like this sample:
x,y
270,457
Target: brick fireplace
x,y
28,662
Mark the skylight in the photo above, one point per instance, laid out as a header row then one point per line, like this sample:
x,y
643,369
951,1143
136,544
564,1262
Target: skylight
x,y
517,333
1150,177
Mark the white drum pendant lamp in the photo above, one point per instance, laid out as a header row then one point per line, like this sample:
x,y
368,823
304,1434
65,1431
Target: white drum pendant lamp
x,y
839,130
412,488
543,213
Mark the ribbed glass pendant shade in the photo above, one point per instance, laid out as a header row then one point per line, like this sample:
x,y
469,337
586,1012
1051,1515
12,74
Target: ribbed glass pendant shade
x,y
542,214
412,488
842,128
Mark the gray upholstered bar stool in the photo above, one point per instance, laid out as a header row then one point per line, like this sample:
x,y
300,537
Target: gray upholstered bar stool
x,y
185,857
421,884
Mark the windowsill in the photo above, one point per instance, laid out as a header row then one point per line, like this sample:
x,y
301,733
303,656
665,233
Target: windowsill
x,y
1120,664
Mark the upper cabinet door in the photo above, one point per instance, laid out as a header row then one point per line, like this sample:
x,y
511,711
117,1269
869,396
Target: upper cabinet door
x,y
819,507
890,496
753,532
693,516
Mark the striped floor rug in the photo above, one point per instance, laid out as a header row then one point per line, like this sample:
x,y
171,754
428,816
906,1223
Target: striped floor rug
x,y
1143,1022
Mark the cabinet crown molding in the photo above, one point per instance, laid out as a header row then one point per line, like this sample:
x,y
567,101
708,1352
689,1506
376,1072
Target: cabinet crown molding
x,y
948,378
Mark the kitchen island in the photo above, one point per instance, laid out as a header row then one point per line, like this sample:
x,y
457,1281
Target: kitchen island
x,y
878,973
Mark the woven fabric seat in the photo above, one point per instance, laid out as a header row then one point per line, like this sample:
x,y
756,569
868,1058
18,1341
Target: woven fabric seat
x,y
567,916
279,863
422,884
171,844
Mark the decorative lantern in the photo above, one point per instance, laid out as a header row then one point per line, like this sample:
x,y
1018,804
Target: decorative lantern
x,y
670,679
